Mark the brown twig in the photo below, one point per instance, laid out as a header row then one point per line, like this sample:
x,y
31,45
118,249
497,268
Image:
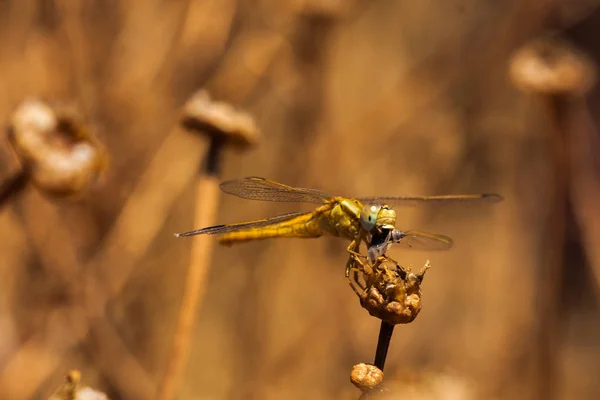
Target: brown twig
x,y
223,125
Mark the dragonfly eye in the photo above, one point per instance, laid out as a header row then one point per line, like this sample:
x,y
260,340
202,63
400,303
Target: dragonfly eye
x,y
368,216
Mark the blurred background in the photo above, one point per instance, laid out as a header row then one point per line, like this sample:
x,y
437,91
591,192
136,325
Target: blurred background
x,y
357,98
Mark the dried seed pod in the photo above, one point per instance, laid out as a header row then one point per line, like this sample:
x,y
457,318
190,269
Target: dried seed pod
x,y
391,292
366,377
219,120
70,390
551,65
57,149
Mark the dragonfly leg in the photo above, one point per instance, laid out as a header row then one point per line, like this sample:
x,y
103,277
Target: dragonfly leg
x,y
352,258
353,250
355,265
356,280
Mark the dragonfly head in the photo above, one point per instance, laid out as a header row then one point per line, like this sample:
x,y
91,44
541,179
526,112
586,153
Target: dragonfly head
x,y
386,218
377,216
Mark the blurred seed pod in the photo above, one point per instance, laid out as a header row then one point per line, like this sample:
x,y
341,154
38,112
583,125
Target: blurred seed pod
x,y
551,65
71,390
392,293
366,377
219,120
56,148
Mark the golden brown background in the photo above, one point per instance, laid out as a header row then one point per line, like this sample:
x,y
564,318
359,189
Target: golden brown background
x,y
353,97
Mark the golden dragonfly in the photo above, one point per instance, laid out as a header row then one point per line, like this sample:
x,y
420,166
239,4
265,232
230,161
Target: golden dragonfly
x,y
368,219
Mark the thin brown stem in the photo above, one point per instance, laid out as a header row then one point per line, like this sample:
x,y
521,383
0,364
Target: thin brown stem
x,y
548,335
195,284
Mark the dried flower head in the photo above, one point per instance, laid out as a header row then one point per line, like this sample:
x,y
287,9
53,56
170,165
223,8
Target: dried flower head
x,y
391,292
366,377
219,119
552,66
70,390
56,147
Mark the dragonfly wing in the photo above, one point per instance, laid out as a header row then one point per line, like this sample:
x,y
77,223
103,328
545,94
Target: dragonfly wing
x,y
443,199
218,229
419,240
255,188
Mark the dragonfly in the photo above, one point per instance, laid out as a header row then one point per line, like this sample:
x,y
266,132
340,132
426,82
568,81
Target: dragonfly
x,y
363,219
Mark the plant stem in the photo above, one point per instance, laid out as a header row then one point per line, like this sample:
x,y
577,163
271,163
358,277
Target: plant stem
x,y
383,343
207,195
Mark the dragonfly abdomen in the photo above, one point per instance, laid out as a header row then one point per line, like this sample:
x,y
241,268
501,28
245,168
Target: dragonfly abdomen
x,y
303,226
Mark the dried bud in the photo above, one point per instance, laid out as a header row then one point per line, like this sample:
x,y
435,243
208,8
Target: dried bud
x,y
62,157
70,390
87,393
215,118
552,66
366,376
392,293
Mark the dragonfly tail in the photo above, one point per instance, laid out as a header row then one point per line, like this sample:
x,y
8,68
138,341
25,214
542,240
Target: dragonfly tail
x,y
300,227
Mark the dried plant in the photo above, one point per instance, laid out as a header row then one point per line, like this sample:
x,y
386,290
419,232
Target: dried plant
x,y
58,152
391,293
72,390
552,65
221,125
367,104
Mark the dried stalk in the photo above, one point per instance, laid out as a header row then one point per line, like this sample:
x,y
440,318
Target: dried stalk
x,y
222,125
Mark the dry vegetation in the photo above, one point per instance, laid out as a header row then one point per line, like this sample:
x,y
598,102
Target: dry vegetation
x,y
354,97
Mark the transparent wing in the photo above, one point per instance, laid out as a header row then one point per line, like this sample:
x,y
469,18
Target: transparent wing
x,y
218,229
255,188
419,240
444,199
